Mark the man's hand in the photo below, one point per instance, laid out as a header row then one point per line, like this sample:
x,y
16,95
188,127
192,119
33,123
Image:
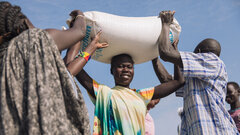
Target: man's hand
x,y
166,17
74,14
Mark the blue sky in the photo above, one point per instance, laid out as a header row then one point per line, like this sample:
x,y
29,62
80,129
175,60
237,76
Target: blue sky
x,y
218,19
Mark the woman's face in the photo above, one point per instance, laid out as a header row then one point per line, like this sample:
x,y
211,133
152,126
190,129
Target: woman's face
x,y
123,71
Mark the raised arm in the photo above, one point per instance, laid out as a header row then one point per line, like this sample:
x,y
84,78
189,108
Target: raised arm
x,y
161,71
86,81
75,65
72,53
166,50
170,86
66,38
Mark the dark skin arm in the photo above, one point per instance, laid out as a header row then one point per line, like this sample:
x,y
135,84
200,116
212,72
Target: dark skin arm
x,y
71,53
162,74
160,71
86,81
66,38
160,91
166,50
75,66
171,86
168,88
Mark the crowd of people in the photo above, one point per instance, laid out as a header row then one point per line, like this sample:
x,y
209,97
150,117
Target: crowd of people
x,y
39,95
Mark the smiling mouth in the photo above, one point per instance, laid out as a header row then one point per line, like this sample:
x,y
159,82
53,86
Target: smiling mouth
x,y
126,76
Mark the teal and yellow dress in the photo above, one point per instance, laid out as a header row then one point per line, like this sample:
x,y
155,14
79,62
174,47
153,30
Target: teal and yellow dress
x,y
120,110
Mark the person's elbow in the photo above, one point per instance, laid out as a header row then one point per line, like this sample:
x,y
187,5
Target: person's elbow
x,y
165,55
181,82
71,70
166,78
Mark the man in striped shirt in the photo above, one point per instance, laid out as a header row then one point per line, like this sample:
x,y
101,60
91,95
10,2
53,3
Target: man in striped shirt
x,y
204,92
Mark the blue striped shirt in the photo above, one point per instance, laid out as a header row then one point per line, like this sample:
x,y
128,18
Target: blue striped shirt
x,y
204,93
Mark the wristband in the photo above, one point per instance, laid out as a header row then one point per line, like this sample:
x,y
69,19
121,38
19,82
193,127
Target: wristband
x,y
85,55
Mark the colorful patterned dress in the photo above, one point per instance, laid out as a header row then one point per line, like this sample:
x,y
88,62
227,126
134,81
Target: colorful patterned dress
x,y
120,110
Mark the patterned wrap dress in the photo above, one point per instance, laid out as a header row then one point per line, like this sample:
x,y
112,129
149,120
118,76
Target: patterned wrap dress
x,y
120,110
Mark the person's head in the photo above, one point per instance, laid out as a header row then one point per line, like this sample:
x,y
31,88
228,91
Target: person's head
x,y
208,45
12,21
152,103
233,92
122,69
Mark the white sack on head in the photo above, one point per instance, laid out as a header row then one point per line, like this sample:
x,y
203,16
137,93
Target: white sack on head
x,y
136,36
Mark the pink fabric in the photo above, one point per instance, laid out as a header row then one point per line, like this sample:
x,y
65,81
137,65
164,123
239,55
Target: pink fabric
x,y
149,125
236,117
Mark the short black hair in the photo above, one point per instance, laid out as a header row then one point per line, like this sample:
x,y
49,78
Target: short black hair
x,y
114,58
235,85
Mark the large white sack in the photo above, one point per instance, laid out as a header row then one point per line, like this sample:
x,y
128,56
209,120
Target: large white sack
x,y
136,36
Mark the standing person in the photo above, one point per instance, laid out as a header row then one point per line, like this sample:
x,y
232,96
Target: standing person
x,y
233,92
36,94
159,69
204,92
121,110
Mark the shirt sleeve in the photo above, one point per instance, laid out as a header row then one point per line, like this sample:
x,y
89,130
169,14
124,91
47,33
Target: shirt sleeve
x,y
146,94
200,65
96,87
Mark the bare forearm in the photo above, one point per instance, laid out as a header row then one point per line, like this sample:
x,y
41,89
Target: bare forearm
x,y
178,75
77,64
86,81
66,38
160,71
164,44
166,50
166,89
72,53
